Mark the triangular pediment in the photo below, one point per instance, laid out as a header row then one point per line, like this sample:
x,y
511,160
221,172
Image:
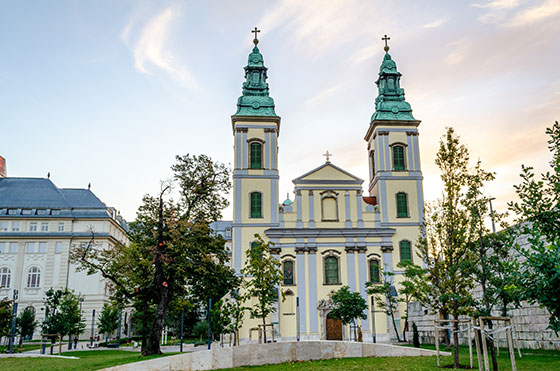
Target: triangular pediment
x,y
328,173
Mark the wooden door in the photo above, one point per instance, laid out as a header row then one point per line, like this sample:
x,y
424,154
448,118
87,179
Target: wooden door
x,y
334,329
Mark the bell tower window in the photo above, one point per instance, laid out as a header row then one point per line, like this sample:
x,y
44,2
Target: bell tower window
x,y
255,156
398,158
256,205
402,205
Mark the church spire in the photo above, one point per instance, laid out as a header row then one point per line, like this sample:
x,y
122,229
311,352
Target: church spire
x,y
255,100
390,103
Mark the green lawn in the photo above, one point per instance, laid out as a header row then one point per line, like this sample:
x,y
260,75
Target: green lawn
x,y
17,347
89,360
532,360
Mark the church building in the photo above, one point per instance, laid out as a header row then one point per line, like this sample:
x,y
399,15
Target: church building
x,y
333,233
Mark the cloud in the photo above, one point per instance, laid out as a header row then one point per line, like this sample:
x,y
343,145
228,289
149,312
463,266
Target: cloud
x,y
527,16
322,95
498,4
152,51
435,24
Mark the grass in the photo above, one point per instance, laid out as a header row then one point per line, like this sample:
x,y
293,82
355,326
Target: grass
x,y
88,360
532,360
17,347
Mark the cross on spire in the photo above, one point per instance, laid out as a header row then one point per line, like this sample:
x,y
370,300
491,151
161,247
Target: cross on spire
x,y
328,155
385,38
255,31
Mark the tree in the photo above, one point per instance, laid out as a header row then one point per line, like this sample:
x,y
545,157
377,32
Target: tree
x,y
265,276
108,320
6,313
173,252
445,242
26,323
234,309
386,297
349,306
62,313
538,217
413,287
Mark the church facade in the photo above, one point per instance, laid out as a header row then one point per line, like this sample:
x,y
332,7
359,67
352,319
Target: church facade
x,y
333,233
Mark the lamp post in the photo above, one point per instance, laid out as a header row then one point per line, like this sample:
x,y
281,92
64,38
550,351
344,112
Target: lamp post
x,y
182,326
92,328
14,316
209,323
119,329
492,214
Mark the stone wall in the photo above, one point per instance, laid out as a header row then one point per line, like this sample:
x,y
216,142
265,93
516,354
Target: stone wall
x,y
529,321
273,353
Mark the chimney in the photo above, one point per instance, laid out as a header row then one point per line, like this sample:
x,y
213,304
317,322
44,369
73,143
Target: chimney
x,y
3,170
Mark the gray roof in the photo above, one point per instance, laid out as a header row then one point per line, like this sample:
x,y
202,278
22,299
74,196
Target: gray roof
x,y
42,193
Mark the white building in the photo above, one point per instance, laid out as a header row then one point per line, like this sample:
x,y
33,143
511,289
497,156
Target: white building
x,y
39,224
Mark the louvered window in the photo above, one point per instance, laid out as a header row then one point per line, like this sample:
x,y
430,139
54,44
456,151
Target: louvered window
x,y
406,254
402,205
256,205
256,155
398,158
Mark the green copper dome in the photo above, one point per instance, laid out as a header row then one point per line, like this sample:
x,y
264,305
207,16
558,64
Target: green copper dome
x,y
255,100
390,103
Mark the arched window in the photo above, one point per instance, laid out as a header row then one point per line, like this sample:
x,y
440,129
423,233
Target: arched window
x,y
402,205
255,156
398,158
33,277
331,271
405,252
256,205
329,206
374,271
5,277
372,162
288,268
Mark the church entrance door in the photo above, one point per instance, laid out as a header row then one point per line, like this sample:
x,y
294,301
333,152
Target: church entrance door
x,y
334,329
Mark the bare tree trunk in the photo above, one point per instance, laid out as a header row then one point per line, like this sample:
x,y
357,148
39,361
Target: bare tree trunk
x,y
264,329
456,337
395,326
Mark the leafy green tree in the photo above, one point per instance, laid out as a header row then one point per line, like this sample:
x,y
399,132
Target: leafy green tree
x,y
349,306
26,323
386,297
6,313
445,242
413,287
233,308
538,215
173,252
265,276
108,320
62,313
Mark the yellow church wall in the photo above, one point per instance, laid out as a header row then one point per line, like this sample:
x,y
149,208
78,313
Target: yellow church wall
x,y
409,187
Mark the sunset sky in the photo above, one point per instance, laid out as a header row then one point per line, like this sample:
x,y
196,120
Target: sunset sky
x,y
108,92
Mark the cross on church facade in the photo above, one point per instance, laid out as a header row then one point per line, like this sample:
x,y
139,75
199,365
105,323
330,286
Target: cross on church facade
x,y
255,31
327,155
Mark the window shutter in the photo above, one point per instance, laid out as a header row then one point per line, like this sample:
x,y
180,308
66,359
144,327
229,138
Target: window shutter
x,y
402,207
398,158
406,254
374,270
331,270
256,155
256,205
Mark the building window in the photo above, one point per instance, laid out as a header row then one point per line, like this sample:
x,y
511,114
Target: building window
x,y
33,227
33,277
55,212
44,227
15,226
406,253
398,158
228,232
256,205
2,247
61,227
331,271
3,226
58,248
42,212
288,272
372,162
5,276
256,155
402,205
374,274
13,211
30,247
26,212
13,247
42,247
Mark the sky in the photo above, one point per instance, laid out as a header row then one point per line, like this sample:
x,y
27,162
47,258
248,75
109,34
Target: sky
x,y
109,92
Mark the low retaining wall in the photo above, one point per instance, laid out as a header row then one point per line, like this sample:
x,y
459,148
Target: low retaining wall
x,y
262,354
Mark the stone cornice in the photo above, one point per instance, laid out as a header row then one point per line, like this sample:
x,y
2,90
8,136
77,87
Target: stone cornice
x,y
329,232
